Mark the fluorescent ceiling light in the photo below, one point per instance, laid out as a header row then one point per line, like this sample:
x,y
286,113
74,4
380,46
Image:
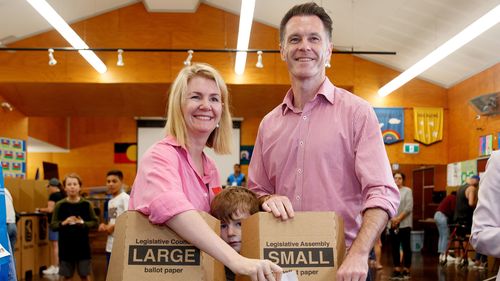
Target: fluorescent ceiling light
x,y
246,18
465,36
44,9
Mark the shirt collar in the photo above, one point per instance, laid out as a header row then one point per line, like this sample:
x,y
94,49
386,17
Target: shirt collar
x,y
327,90
172,141
208,169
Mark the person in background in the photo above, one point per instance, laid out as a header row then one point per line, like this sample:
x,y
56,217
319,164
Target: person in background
x,y
116,206
231,206
376,255
10,213
237,178
485,236
73,217
10,218
443,216
400,230
176,179
464,209
321,149
55,195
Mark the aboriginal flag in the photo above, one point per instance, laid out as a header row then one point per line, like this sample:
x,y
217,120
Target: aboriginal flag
x,y
125,152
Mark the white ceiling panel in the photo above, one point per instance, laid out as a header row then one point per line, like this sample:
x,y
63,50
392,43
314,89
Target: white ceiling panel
x,y
412,28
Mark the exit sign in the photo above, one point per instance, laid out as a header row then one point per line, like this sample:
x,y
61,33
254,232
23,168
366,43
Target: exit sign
x,y
411,148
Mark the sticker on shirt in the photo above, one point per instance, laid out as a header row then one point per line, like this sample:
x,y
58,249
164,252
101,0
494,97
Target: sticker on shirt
x,y
216,190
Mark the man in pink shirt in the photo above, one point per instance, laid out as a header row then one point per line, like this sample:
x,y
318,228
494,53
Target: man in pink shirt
x,y
322,149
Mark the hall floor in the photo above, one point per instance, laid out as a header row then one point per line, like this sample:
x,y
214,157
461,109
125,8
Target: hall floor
x,y
424,268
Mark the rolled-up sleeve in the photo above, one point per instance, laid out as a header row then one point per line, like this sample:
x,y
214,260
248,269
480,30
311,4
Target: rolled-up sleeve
x,y
485,235
158,188
372,166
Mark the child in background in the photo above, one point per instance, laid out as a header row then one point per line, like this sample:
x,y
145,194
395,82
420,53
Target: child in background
x,y
116,206
55,196
73,217
231,206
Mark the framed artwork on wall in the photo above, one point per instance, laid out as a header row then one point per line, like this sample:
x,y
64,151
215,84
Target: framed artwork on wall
x,y
485,145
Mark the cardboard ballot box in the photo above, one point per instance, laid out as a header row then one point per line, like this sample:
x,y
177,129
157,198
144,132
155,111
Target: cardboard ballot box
x,y
143,251
28,231
312,243
42,247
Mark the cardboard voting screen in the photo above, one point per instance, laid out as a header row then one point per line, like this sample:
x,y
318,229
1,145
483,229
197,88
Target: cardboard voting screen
x,y
311,244
144,251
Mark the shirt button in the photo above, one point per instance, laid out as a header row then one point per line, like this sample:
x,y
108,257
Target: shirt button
x,y
205,194
301,142
297,198
304,117
299,171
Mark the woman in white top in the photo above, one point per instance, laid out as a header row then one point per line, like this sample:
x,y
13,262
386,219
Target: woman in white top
x,y
400,230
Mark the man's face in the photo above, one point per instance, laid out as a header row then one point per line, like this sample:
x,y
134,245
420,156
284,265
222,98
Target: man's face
x,y
306,47
237,169
231,231
114,184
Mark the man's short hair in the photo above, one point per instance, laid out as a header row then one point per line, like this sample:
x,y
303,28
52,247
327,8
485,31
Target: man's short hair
x,y
116,173
233,200
307,9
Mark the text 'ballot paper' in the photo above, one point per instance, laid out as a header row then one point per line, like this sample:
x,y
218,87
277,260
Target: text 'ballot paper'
x,y
290,276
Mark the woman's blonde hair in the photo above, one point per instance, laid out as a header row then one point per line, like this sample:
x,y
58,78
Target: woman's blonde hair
x,y
220,138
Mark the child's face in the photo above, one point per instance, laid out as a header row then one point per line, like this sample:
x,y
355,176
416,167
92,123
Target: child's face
x,y
114,184
231,231
72,187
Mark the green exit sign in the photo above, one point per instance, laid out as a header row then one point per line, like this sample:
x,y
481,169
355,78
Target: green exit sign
x,y
411,148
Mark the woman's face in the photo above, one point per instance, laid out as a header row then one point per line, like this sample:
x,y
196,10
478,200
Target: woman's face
x,y
398,178
201,107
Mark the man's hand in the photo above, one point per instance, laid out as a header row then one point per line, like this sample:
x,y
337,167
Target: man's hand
x,y
280,206
354,268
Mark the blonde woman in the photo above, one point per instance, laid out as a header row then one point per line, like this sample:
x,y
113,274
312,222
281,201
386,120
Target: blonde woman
x,y
175,179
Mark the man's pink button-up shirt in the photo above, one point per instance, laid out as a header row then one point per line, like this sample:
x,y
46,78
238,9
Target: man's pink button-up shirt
x,y
330,156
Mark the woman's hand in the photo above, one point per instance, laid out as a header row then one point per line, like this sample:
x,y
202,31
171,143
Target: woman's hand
x,y
257,270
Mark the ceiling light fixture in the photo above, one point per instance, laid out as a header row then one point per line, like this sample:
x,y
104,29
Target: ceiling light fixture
x,y
119,61
259,63
246,18
470,32
52,60
46,11
189,58
6,106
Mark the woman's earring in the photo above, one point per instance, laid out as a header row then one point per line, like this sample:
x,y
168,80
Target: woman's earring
x,y
217,126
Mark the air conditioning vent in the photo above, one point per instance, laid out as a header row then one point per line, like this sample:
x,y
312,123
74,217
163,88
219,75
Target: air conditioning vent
x,y
486,104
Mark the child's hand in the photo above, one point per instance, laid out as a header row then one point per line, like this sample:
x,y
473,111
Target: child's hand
x,y
69,220
102,227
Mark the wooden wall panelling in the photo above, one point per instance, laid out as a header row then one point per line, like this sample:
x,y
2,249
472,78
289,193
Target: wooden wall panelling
x,y
465,129
418,189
